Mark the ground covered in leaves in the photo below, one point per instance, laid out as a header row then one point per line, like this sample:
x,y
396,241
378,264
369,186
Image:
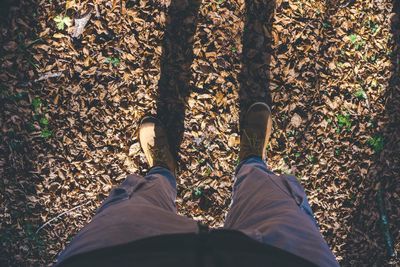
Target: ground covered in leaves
x,y
76,76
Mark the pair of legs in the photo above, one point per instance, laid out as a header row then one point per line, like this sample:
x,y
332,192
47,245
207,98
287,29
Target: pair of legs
x,y
269,208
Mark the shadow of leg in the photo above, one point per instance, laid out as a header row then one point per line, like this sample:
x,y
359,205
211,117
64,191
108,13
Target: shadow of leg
x,y
176,61
375,219
256,56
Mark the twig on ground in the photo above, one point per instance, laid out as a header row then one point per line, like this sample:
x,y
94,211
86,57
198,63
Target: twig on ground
x,y
61,214
48,75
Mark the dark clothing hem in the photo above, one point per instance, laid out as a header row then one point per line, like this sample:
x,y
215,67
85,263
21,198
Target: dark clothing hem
x,y
216,248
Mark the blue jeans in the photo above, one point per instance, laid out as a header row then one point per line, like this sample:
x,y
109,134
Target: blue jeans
x,y
269,208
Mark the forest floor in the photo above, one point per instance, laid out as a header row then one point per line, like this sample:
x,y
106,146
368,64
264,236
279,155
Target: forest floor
x,y
76,76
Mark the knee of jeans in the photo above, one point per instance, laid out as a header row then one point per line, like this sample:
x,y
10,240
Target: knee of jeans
x,y
117,195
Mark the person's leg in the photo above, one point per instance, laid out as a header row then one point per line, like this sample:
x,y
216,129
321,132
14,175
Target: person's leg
x,y
162,195
274,210
270,208
140,207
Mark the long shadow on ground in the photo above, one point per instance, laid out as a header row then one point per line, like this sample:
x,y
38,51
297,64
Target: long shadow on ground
x,y
19,241
174,85
256,56
375,218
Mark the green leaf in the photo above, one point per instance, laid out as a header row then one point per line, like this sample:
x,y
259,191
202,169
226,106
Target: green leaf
x,y
46,133
62,21
113,60
44,121
197,192
353,38
376,143
343,121
36,103
361,94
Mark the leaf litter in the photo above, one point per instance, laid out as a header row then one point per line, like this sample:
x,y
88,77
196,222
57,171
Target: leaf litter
x,y
77,76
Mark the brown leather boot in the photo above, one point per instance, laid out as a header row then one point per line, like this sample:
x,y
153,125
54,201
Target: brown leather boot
x,y
256,131
154,142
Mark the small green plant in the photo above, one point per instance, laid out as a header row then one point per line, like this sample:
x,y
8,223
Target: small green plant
x,y
197,192
343,121
62,21
353,38
46,133
219,1
312,159
376,143
357,41
44,122
36,103
113,60
39,117
233,49
374,27
360,94
326,25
